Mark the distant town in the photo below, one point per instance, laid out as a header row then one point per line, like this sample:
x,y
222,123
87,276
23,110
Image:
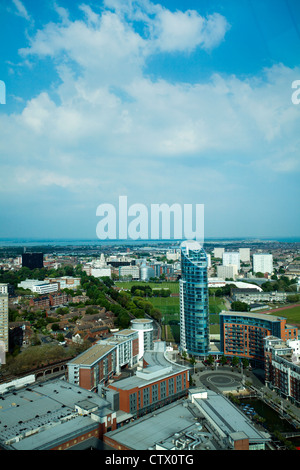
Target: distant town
x,y
98,338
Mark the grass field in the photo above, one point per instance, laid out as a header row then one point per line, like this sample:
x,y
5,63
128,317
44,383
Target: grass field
x,y
292,314
169,307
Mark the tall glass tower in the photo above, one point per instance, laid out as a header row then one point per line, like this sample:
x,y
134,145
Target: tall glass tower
x,y
194,319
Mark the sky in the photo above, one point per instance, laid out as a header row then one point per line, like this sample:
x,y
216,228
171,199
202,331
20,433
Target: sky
x,y
170,102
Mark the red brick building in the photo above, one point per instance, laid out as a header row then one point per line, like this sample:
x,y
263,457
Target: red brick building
x,y
104,360
150,388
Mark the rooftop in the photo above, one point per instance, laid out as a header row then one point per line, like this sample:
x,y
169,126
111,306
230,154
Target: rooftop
x,y
92,354
42,415
259,316
158,368
190,424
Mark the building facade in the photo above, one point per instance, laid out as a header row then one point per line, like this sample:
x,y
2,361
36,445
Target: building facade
x,y
104,360
227,272
150,388
4,333
193,285
144,328
250,296
242,334
282,367
244,255
231,258
263,263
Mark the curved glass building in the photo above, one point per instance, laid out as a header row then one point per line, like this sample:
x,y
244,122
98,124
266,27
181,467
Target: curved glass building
x,y
194,316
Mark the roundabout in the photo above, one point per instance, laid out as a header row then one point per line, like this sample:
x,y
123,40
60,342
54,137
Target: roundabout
x,y
219,381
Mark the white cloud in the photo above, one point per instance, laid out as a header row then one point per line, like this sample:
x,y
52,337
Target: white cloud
x,y
184,31
21,10
113,122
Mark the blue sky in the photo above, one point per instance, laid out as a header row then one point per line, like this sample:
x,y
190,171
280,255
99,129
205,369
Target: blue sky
x,y
183,102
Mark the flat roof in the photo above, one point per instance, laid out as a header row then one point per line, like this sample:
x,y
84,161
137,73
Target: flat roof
x,y
259,316
87,358
228,417
162,427
155,427
125,332
141,320
45,409
159,368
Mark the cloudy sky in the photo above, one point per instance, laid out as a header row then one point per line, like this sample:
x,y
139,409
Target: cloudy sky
x,y
178,101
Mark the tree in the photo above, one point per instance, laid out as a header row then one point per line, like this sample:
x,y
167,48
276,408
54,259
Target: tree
x,y
210,359
193,360
223,360
238,306
235,361
245,362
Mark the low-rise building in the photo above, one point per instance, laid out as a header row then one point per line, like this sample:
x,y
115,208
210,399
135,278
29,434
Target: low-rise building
x,y
203,421
53,415
67,282
40,287
250,296
153,386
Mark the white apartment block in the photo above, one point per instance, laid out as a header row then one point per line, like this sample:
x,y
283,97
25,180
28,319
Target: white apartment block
x,y
101,272
208,255
227,272
262,263
231,258
46,288
133,271
3,288
4,321
218,252
244,254
30,283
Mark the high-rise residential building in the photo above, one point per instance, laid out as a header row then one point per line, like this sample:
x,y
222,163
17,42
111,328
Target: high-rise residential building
x,y
3,325
227,272
262,263
3,288
218,252
194,319
244,254
231,258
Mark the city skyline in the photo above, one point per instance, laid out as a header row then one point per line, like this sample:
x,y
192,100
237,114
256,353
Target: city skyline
x,y
168,102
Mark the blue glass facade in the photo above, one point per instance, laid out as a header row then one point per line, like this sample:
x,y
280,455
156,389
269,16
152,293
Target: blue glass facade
x,y
194,317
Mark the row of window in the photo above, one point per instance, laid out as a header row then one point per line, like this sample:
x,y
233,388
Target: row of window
x,y
159,391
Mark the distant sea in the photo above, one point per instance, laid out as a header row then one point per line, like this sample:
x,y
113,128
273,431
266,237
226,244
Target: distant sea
x,y
15,242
